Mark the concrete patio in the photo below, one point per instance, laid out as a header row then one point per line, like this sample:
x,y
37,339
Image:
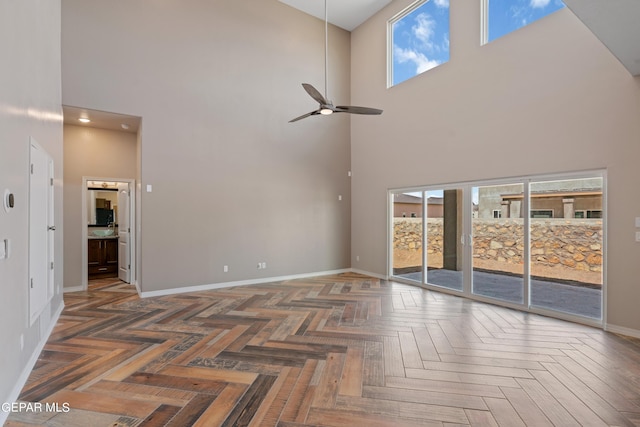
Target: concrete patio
x,y
581,300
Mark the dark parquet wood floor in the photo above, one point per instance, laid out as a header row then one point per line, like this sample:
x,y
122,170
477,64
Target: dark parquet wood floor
x,y
345,350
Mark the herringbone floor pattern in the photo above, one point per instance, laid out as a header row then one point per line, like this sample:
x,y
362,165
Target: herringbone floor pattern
x,y
345,350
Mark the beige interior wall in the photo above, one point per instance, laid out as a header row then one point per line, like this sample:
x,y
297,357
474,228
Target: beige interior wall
x,y
29,107
215,84
96,153
548,98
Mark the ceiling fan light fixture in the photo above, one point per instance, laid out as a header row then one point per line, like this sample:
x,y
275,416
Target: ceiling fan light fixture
x,y
326,107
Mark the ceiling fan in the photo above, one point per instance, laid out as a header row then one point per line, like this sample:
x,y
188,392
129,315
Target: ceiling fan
x,y
326,107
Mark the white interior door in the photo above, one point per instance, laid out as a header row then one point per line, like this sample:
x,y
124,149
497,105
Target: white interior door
x,y
124,232
51,228
40,233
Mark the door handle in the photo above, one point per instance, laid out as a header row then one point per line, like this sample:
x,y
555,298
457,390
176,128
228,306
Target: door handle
x,y
52,228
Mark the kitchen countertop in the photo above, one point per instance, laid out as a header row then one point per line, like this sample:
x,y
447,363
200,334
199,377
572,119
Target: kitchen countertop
x,y
113,236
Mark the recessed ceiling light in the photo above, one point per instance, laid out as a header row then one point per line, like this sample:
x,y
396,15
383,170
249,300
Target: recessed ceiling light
x,y
124,126
84,120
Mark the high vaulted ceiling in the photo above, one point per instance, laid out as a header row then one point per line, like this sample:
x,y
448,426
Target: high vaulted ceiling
x,y
613,22
346,14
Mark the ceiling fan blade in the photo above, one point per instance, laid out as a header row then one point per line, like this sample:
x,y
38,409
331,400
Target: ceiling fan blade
x,y
357,110
313,92
326,106
304,116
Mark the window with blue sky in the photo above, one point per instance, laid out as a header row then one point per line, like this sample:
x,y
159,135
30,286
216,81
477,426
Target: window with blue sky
x,y
506,16
419,39
419,35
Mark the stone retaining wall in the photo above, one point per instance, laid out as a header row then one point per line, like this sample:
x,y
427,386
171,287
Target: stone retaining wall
x,y
560,248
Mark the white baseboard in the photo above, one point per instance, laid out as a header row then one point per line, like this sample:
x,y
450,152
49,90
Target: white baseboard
x,y
368,273
622,330
222,285
72,289
24,375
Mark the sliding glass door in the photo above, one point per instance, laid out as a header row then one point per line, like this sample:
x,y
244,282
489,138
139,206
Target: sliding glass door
x,y
536,242
567,245
444,229
407,235
498,242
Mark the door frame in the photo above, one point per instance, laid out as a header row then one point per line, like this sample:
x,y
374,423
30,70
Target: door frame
x,y
467,227
132,226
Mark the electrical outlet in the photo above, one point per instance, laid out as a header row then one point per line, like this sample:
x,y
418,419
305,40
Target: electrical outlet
x,y
21,342
357,257
264,265
225,269
259,265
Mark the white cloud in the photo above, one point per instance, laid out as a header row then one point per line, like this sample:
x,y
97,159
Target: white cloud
x,y
442,3
539,4
424,29
419,59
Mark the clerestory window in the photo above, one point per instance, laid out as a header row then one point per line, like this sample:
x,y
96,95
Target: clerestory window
x,y
501,17
418,39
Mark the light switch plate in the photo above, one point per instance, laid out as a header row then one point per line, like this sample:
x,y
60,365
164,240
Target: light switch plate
x,y
637,236
638,222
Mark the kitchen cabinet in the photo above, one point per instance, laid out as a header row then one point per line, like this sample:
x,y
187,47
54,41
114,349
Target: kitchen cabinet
x,y
103,257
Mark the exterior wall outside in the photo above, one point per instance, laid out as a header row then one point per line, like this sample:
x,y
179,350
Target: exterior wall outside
x,y
30,106
490,198
555,204
435,211
96,153
242,184
505,197
546,99
405,210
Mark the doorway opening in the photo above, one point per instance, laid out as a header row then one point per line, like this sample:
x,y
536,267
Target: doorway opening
x,y
109,235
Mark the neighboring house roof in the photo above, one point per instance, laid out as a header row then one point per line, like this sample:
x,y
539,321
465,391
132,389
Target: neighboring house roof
x,y
406,198
557,193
